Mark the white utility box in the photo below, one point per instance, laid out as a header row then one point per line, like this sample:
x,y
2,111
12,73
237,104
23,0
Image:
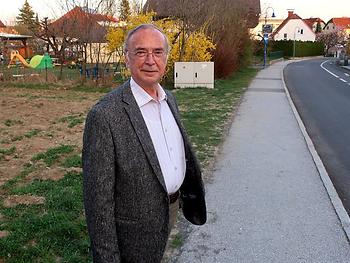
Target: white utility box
x,y
194,74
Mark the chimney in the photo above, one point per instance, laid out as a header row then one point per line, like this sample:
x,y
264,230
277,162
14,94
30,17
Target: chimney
x,y
290,12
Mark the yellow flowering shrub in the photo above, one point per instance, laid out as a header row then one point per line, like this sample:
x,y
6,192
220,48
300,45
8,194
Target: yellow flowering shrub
x,y
195,46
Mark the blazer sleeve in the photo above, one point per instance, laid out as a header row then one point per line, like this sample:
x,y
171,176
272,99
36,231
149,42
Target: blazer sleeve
x,y
99,184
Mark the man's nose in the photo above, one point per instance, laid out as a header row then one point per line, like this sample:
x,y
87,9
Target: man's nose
x,y
149,58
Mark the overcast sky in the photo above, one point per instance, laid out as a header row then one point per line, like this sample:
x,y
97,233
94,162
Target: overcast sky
x,y
324,9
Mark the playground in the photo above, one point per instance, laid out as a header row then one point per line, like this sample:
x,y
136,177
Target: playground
x,y
18,62
43,68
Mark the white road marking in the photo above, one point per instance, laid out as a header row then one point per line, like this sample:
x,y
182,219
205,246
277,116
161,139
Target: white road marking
x,y
346,74
334,75
328,70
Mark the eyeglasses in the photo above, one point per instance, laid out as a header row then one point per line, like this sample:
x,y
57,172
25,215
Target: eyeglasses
x,y
157,53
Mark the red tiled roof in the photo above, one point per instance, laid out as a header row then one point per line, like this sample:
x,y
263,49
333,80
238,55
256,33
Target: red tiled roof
x,y
81,25
2,24
8,30
342,22
311,21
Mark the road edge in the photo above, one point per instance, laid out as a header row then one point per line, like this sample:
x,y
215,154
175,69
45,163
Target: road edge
x,y
332,193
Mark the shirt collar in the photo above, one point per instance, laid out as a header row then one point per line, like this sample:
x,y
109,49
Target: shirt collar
x,y
142,97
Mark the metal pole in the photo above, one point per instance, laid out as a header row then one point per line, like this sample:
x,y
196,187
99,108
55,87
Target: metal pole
x,y
294,40
265,51
294,46
264,38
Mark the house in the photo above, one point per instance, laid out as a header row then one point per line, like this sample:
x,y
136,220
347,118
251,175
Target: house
x,y
84,26
179,8
6,30
341,24
294,28
317,24
270,23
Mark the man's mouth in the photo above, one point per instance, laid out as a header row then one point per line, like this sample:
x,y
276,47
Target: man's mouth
x,y
149,70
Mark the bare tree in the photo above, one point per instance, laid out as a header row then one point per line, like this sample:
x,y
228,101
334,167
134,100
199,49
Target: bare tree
x,y
331,39
83,29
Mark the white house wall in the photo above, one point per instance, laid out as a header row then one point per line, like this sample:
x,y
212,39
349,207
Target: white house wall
x,y
99,52
330,27
293,30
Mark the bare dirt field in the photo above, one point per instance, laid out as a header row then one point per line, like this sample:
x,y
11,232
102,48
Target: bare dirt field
x,y
33,121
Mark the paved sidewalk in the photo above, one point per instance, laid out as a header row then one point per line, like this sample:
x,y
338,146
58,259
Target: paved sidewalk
x,y
267,202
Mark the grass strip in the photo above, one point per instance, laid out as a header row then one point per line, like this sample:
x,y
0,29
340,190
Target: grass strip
x,y
205,112
72,120
51,155
50,232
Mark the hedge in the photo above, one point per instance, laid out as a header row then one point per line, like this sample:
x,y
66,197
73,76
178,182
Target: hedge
x,y
302,48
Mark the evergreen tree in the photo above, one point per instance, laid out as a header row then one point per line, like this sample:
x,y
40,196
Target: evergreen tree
x,y
124,10
26,16
318,27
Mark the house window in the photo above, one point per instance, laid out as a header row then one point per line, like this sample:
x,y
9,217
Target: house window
x,y
285,36
301,31
327,27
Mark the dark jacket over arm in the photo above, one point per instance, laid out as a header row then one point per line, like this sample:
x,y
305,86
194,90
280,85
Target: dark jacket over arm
x,y
99,185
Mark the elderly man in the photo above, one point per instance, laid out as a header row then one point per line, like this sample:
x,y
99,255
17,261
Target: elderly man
x,y
138,164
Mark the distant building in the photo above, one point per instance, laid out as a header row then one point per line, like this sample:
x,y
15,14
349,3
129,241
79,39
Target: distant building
x,y
85,26
272,23
11,40
341,24
6,30
294,28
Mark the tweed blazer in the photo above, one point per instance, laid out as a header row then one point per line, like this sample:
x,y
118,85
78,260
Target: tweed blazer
x,y
125,198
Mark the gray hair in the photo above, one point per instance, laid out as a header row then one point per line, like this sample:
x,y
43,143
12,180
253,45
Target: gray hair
x,y
141,27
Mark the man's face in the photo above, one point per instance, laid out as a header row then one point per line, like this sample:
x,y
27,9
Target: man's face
x,y
146,57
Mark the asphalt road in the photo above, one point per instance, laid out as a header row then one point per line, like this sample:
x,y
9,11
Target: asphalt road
x,y
320,91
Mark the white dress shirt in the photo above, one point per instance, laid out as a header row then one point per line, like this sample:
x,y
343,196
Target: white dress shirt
x,y
165,134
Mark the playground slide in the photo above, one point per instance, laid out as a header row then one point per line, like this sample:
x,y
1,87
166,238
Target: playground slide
x,y
16,55
37,62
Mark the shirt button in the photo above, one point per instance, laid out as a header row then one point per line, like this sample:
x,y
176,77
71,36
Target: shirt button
x,y
175,168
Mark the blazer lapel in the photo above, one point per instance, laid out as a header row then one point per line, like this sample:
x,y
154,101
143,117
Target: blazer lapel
x,y
137,121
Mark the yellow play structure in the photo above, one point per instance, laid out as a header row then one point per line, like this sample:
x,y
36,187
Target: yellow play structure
x,y
37,62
